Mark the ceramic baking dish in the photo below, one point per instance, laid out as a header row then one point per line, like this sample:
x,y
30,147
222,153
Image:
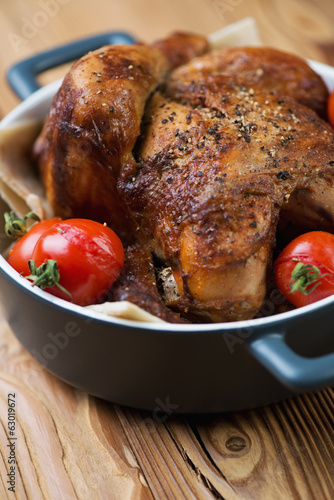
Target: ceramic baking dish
x,y
187,368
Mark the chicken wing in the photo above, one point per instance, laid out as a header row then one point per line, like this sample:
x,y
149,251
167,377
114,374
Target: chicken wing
x,y
94,123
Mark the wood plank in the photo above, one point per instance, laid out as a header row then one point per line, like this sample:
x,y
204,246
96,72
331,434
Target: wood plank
x,y
166,471
69,445
283,451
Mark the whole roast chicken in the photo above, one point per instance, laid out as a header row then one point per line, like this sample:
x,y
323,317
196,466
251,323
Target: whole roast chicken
x,y
197,157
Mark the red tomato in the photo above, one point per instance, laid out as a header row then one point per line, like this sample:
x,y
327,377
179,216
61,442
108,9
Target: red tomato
x,y
89,256
330,108
23,248
304,271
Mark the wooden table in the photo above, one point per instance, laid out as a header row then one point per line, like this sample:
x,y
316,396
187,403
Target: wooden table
x,y
71,445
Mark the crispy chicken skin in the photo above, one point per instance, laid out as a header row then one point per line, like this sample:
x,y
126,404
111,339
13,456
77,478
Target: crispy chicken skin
x,y
268,68
216,168
94,123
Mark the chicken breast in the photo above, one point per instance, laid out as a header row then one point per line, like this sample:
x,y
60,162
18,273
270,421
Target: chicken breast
x,y
258,67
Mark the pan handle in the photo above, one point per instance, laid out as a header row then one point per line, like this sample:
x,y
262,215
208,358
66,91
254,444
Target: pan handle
x,y
292,370
22,77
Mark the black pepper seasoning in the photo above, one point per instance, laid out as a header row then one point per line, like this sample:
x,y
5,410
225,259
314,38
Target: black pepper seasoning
x,y
284,175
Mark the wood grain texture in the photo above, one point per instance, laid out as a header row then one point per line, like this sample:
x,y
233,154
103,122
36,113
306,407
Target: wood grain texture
x,y
73,446
282,451
70,445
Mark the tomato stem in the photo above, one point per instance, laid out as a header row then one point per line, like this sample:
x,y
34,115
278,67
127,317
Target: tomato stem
x,y
16,227
305,275
46,275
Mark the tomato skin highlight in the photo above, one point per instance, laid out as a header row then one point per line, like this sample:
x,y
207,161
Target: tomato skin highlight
x,y
330,108
23,248
315,248
89,255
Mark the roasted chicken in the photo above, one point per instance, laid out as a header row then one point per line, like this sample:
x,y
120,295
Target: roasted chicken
x,y
195,163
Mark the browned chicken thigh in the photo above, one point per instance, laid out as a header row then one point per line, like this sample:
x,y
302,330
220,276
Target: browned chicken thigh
x,y
95,121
